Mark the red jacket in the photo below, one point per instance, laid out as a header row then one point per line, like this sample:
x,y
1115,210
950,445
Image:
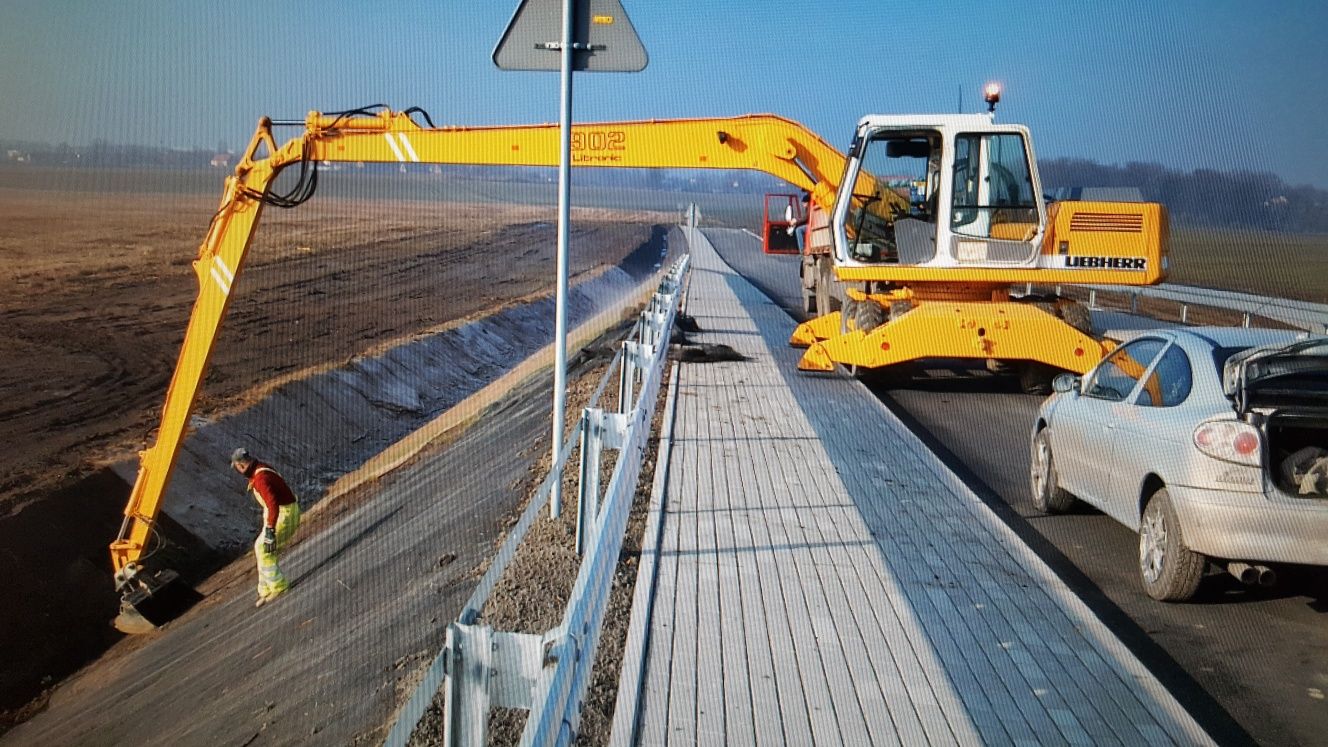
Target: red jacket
x,y
270,490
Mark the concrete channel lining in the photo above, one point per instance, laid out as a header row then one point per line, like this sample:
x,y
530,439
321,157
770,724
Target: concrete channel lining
x,y
326,426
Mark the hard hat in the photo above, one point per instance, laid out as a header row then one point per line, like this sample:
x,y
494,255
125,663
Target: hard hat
x,y
240,455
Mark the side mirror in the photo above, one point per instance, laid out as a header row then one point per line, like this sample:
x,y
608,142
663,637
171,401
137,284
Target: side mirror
x,y
1065,383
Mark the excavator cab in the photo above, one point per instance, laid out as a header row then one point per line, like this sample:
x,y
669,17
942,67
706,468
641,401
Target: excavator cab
x,y
949,192
940,231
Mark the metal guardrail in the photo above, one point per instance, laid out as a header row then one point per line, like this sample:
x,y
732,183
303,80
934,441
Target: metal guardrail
x,y
480,668
1300,314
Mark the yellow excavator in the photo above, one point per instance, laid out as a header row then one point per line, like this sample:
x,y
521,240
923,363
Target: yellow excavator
x,y
926,259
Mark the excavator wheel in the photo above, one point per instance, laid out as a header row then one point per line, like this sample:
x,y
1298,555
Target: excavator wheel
x,y
849,311
1035,377
868,315
900,308
1077,315
827,300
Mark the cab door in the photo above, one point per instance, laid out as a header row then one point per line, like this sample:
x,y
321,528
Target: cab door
x,y
782,212
995,215
1085,428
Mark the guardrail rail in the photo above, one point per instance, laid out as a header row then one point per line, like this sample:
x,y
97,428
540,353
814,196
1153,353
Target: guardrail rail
x,y
1300,314
480,668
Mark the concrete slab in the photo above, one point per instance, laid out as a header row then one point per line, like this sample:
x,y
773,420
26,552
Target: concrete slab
x,y
823,577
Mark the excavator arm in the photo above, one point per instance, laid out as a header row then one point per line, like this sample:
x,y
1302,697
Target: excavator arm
x,y
762,142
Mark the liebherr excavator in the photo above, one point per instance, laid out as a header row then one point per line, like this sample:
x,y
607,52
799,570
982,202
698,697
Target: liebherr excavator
x,y
927,255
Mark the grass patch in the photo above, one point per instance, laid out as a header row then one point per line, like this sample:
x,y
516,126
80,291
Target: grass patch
x,y
1262,262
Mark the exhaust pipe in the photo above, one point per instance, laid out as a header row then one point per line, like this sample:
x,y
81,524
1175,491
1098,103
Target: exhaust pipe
x,y
1252,575
1267,576
1244,572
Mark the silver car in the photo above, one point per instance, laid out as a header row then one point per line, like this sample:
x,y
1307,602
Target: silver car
x,y
1211,443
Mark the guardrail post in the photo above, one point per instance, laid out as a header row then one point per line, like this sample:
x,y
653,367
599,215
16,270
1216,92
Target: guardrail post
x,y
626,378
1092,298
1245,319
1134,303
486,668
467,688
587,499
479,668
637,359
1184,313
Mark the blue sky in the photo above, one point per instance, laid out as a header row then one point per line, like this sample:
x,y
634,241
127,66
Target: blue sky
x,y
1184,83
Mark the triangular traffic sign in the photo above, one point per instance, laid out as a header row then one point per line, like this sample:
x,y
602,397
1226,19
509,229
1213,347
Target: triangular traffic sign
x,y
604,38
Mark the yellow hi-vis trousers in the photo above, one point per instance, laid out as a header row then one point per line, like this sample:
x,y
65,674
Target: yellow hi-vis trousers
x,y
270,580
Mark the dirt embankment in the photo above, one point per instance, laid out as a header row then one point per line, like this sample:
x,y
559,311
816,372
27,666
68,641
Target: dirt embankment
x,y
97,289
92,311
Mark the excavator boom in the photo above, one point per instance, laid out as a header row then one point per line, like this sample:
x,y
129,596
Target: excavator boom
x,y
762,142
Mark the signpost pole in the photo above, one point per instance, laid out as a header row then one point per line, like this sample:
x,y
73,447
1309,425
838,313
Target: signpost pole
x,y
564,216
611,45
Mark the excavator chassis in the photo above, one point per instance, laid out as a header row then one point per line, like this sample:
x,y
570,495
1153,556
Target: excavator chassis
x,y
914,328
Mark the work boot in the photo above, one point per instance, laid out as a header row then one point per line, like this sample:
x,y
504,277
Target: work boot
x,y
269,595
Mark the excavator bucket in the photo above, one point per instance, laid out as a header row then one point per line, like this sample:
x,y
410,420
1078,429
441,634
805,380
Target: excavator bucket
x,y
158,599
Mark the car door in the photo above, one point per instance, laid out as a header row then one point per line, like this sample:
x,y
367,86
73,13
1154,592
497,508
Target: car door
x,y
1085,426
1149,435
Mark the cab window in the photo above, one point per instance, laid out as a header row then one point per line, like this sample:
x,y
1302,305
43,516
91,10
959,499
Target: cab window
x,y
1118,374
898,183
1170,381
993,188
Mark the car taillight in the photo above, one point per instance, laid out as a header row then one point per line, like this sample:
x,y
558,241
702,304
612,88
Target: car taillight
x,y
1230,441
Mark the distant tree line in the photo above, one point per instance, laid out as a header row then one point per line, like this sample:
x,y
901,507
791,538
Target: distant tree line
x,y
101,154
1203,197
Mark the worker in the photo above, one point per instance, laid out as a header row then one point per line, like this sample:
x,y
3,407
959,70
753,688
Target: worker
x,y
798,225
281,516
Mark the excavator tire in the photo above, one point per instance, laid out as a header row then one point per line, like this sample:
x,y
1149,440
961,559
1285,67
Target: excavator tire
x,y
827,300
1035,377
1077,315
868,315
900,308
849,310
1047,306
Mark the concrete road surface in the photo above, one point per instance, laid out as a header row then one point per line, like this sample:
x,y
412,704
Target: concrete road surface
x,y
1250,664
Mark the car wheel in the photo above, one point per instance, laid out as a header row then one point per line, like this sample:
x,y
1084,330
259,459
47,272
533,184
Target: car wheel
x,y
1048,496
1169,570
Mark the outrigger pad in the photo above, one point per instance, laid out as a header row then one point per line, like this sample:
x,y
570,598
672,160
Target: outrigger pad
x,y
159,599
